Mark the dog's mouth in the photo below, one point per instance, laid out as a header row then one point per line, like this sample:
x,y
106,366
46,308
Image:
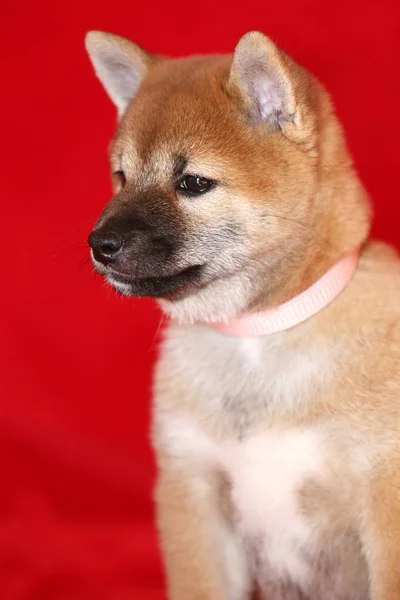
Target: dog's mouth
x,y
159,286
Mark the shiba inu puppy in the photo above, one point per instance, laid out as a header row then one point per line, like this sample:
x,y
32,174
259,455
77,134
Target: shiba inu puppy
x,y
277,394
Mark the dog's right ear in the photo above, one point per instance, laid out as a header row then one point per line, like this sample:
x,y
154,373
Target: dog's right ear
x,y
119,64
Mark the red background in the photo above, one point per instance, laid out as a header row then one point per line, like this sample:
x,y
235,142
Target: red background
x,y
76,518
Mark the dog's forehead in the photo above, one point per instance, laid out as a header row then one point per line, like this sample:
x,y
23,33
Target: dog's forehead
x,y
179,113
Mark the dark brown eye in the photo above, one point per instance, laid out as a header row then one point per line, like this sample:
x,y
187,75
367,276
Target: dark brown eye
x,y
120,178
195,185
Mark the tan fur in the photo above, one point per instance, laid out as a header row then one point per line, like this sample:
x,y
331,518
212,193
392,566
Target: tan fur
x,y
325,395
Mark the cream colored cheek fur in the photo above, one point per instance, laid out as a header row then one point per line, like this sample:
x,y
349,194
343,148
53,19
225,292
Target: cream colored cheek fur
x,y
220,300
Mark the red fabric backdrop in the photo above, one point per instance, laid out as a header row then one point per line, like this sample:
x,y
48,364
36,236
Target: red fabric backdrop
x,y
76,518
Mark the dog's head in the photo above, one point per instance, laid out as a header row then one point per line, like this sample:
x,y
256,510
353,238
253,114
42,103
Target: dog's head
x,y
233,186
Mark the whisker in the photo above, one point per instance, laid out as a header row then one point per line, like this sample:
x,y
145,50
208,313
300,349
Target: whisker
x,y
157,331
263,263
177,307
83,264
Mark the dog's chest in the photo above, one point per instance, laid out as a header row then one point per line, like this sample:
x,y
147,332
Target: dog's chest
x,y
267,475
242,384
263,479
232,377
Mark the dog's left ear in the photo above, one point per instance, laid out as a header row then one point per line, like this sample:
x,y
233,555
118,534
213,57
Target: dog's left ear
x,y
262,79
119,64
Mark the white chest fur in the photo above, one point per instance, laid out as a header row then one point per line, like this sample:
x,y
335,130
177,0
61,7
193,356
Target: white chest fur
x,y
281,369
266,473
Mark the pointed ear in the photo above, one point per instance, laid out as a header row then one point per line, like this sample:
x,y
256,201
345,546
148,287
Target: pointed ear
x,y
262,80
119,64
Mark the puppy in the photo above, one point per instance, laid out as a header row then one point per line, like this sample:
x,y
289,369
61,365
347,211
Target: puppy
x,y
277,394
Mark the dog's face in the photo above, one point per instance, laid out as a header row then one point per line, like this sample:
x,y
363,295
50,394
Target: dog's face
x,y
216,173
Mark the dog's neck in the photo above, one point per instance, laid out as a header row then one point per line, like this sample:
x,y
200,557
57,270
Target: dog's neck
x,y
298,309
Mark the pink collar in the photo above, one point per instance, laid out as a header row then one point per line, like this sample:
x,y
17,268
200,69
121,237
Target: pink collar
x,y
298,309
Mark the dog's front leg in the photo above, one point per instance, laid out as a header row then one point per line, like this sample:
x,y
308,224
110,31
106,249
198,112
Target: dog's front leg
x,y
202,557
382,532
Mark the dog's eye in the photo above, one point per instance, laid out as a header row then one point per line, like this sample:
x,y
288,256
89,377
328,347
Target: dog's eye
x,y
195,185
120,178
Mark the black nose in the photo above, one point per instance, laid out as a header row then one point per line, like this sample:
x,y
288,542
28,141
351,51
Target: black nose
x,y
105,245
